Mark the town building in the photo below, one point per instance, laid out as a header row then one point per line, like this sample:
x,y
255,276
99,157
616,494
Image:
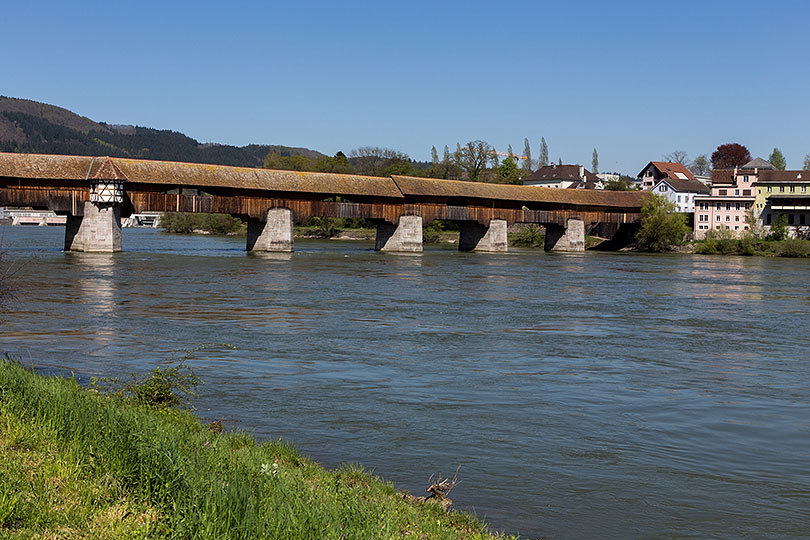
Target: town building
x,y
681,192
733,195
784,193
563,176
655,171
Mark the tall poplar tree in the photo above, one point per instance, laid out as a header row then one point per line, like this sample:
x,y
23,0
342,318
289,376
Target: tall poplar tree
x,y
543,160
527,151
595,162
434,155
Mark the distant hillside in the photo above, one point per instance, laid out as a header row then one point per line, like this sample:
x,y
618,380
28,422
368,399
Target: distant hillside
x,y
33,127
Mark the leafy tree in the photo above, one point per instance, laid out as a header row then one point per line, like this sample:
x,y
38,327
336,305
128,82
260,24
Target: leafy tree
x,y
777,159
779,230
543,160
662,227
728,156
701,165
376,161
678,156
508,172
337,164
274,160
527,151
595,162
473,158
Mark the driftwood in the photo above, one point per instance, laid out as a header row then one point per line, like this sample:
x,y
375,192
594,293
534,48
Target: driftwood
x,y
438,491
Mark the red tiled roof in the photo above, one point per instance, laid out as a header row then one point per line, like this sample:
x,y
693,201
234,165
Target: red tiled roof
x,y
668,169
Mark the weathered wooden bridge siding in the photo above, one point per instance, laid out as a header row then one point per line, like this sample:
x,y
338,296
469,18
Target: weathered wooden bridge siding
x,y
70,199
60,183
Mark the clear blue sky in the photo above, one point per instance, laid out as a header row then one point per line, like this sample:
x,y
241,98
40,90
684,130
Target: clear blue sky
x,y
636,80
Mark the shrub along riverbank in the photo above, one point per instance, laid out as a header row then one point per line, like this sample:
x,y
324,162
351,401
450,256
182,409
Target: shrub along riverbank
x,y
76,463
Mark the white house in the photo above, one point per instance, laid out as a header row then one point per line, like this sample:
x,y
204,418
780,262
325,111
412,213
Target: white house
x,y
681,192
563,176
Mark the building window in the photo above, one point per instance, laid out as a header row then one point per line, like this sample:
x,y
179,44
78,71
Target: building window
x,y
736,218
769,189
746,193
718,206
728,218
736,206
728,206
781,189
736,227
792,189
662,188
679,198
736,192
747,205
767,219
718,218
717,227
801,219
804,188
790,219
746,227
722,192
745,178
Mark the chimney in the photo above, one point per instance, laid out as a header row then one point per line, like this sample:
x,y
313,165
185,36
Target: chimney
x,y
582,172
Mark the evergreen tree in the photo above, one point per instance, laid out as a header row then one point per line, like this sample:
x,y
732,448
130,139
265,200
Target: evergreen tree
x,y
777,159
807,162
527,151
508,172
434,155
560,162
595,162
543,160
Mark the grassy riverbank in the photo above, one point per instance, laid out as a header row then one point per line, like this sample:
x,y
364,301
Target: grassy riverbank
x,y
75,463
748,245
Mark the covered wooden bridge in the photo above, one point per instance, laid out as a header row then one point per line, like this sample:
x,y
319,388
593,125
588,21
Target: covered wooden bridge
x,y
95,192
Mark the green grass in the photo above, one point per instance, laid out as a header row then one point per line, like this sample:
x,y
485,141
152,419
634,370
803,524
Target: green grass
x,y
75,463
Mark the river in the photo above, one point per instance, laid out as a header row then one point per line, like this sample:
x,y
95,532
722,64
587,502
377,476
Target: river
x,y
595,395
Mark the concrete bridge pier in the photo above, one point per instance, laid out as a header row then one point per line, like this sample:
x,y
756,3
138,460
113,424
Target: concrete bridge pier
x,y
98,230
405,236
570,238
477,237
275,233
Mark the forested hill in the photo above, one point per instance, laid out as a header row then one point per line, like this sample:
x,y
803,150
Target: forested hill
x,y
33,127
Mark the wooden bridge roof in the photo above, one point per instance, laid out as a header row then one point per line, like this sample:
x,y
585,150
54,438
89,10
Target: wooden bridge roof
x,y
198,175
172,174
432,187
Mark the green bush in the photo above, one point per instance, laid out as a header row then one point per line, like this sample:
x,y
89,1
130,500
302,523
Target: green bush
x,y
325,227
432,232
794,248
163,387
186,223
661,226
528,235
